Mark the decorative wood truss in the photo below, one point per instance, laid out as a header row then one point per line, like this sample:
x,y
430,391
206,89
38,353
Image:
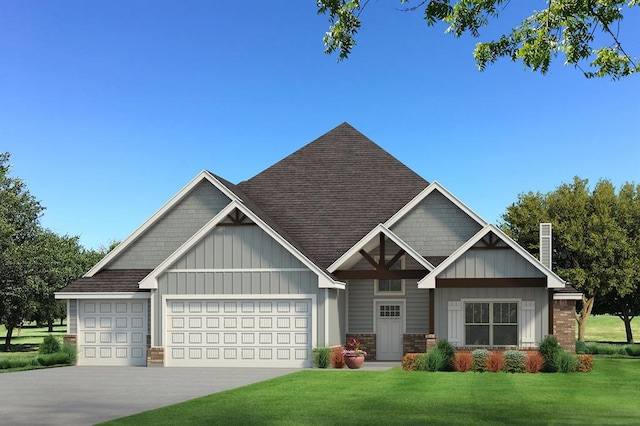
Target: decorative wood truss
x,y
236,218
490,242
382,267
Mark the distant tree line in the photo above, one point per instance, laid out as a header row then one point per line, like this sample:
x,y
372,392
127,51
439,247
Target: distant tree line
x,y
34,262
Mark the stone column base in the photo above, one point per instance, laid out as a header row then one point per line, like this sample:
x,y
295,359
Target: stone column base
x,y
367,343
155,357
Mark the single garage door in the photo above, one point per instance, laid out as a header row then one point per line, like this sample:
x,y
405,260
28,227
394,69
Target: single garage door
x,y
238,333
112,332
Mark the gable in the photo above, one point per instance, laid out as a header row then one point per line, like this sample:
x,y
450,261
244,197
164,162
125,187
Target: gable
x,y
244,247
436,226
495,261
171,230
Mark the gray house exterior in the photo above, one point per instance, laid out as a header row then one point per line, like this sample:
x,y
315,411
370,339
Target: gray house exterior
x,y
338,239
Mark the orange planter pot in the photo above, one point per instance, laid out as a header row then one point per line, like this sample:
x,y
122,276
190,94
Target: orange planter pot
x,y
354,362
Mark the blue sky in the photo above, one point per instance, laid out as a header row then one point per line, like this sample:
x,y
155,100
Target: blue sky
x,y
108,108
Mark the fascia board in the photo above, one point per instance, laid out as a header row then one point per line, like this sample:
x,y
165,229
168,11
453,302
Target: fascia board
x,y
567,296
553,280
204,175
149,282
104,295
434,186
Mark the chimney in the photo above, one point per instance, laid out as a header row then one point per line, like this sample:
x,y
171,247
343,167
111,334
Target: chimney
x,y
545,244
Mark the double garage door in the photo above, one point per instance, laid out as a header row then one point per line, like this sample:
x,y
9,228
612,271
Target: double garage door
x,y
112,332
238,333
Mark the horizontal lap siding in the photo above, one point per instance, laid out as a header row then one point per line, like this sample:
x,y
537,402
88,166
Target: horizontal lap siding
x,y
436,226
417,307
173,229
360,306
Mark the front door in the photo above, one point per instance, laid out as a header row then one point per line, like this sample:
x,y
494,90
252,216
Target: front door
x,y
389,330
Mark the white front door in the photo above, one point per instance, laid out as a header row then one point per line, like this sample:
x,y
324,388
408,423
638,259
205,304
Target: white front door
x,y
389,330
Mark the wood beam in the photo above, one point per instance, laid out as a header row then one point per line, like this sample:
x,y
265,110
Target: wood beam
x,y
395,258
432,301
382,250
381,274
369,259
490,282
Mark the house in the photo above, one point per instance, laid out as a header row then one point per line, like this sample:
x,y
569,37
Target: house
x,y
338,239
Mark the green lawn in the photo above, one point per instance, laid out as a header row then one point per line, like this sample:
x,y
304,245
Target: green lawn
x,y
25,341
609,328
608,395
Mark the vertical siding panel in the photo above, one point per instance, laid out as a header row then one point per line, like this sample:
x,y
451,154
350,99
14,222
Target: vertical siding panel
x,y
208,250
218,248
218,283
208,286
200,287
255,283
201,252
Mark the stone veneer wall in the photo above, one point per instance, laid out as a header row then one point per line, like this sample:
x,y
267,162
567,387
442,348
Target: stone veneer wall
x,y
155,357
367,343
564,323
414,343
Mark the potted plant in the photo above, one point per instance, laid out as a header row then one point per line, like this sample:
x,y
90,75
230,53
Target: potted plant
x,y
353,355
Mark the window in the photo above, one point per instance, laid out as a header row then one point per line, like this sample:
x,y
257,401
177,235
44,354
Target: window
x,y
395,286
491,323
389,311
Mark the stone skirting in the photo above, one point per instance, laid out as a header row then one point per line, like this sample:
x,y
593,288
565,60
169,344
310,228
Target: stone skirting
x,y
155,356
70,339
414,343
564,323
367,343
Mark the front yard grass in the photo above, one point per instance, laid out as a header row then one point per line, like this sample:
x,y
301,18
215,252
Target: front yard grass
x,y
608,395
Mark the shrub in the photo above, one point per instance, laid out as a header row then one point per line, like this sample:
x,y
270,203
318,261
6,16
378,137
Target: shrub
x,y
462,361
409,361
321,357
421,362
480,359
58,358
435,360
49,345
565,362
550,349
448,351
535,362
606,349
633,350
7,363
495,361
585,363
581,347
515,362
70,350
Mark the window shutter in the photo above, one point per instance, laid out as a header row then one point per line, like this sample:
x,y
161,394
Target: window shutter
x,y
528,324
455,324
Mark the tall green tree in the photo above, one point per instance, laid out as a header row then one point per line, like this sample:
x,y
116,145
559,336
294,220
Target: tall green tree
x,y
586,33
20,216
594,249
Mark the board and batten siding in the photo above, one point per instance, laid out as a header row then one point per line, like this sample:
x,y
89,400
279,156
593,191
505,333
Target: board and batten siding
x,y
486,263
237,260
534,307
436,226
173,229
72,316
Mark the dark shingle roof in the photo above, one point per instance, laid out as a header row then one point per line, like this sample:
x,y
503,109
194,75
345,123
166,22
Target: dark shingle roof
x,y
330,193
109,280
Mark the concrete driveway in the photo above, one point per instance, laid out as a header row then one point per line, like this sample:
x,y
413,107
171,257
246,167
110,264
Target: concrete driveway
x,y
88,395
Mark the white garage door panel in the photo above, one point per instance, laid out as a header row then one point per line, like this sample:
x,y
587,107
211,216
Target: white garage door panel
x,y
112,332
226,333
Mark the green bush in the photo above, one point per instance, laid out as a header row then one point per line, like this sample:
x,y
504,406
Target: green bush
x,y
421,362
49,345
448,351
435,360
565,362
581,347
515,361
480,359
7,363
70,350
58,358
322,357
550,349
633,350
595,348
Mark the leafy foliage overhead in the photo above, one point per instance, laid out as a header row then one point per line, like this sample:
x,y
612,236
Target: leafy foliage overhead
x,y
586,33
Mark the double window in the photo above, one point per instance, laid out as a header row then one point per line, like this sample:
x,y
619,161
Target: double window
x,y
491,323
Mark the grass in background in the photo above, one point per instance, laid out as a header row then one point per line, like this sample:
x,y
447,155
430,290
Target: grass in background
x,y
609,328
25,340
403,397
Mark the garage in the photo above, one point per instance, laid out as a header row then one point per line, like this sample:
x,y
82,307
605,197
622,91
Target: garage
x,y
238,332
112,332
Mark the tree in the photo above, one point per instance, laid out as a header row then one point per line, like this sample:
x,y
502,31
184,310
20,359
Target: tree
x,y
19,223
585,32
594,247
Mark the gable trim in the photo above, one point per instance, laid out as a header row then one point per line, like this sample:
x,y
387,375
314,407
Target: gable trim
x,y
434,186
380,228
553,280
202,176
151,280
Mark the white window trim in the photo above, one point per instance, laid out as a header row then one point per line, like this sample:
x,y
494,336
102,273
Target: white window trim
x,y
491,301
376,292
